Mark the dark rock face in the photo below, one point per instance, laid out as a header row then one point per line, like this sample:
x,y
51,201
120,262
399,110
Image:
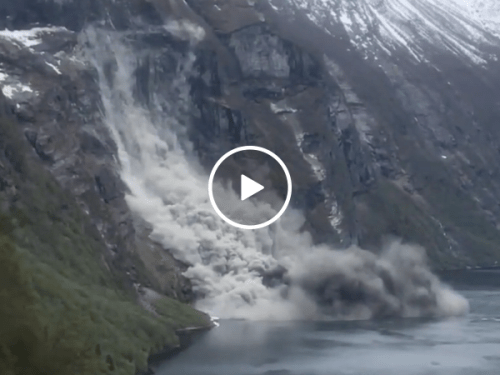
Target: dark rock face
x,y
365,149
415,124
61,120
370,152
74,15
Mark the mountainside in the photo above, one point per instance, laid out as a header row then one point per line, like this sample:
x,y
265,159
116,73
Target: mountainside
x,y
431,74
464,29
413,96
385,111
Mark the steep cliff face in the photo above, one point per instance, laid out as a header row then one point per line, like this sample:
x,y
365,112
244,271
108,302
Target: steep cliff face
x,y
430,87
405,133
388,126
388,144
53,95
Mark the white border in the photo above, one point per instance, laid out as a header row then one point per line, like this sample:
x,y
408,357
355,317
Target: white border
x,y
211,182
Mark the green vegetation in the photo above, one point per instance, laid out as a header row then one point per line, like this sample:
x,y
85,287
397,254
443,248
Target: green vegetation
x,y
62,310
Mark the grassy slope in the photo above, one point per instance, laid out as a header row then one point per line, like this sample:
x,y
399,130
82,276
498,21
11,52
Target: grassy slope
x,y
62,311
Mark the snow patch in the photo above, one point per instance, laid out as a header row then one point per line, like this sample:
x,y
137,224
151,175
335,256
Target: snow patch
x,y
317,167
336,217
31,37
282,107
10,91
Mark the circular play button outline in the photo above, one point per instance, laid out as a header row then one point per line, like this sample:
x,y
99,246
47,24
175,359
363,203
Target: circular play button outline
x,y
211,182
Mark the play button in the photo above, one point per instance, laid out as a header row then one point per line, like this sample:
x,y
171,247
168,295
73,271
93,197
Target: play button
x,y
250,187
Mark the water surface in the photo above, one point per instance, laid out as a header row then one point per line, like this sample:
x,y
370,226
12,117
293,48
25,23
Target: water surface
x,y
468,345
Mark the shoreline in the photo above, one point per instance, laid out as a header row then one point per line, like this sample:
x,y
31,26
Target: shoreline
x,y
186,337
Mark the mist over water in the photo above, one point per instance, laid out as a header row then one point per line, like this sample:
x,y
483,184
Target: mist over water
x,y
274,273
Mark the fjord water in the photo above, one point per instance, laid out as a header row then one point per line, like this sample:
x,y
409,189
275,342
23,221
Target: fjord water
x,y
468,345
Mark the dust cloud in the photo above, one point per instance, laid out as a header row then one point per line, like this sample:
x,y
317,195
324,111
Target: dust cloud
x,y
273,273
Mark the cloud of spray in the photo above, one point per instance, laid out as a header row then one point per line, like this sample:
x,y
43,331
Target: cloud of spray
x,y
186,30
273,273
356,284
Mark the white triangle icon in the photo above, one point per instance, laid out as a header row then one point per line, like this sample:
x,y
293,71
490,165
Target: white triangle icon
x,y
249,187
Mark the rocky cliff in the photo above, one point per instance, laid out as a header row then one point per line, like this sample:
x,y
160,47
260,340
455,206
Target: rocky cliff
x,y
377,146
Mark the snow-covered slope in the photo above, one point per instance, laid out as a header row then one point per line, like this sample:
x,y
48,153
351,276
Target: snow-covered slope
x,y
486,11
464,27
